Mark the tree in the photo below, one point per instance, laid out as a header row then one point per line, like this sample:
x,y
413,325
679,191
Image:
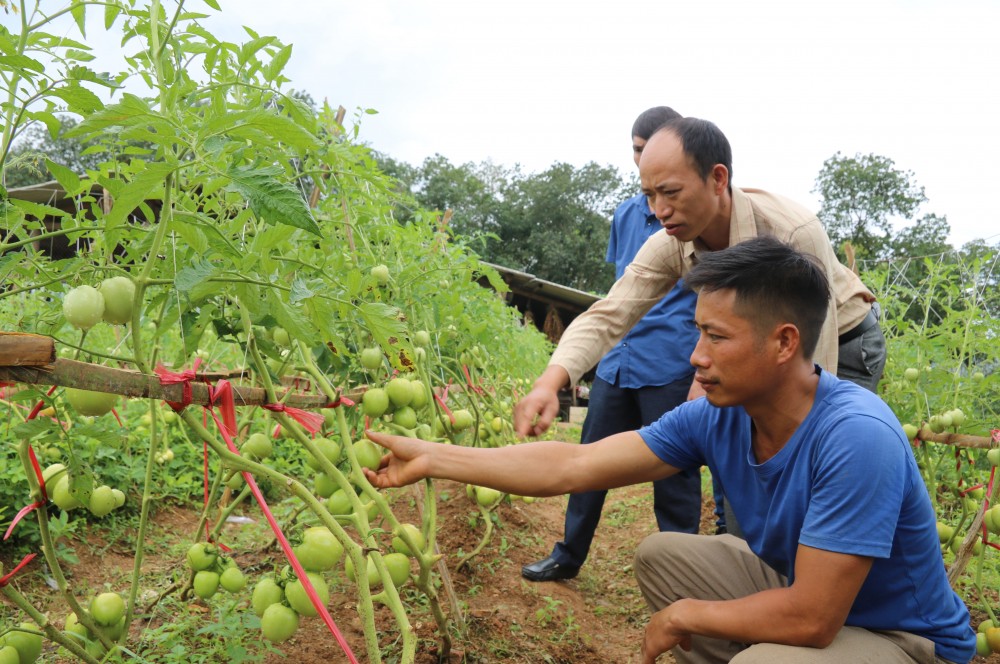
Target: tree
x,y
552,224
26,165
862,196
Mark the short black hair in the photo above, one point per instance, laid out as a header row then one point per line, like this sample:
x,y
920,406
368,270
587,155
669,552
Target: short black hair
x,y
774,284
703,143
652,119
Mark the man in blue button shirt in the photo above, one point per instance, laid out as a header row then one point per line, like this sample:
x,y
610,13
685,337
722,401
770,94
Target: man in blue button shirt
x,y
630,391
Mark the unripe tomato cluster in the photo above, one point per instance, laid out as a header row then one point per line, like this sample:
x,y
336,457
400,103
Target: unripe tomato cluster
x,y
107,611
67,495
21,647
112,301
987,638
212,571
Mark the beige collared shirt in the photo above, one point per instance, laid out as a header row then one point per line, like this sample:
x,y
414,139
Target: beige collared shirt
x,y
663,260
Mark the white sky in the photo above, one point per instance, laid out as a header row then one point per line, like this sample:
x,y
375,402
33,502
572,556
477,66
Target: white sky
x,y
790,82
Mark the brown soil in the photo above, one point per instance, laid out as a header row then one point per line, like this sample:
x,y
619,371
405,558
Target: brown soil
x,y
598,617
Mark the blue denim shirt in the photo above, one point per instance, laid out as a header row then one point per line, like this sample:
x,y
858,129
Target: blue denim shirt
x,y
658,349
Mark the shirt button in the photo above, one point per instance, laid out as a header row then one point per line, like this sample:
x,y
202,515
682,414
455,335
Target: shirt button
x,y
624,344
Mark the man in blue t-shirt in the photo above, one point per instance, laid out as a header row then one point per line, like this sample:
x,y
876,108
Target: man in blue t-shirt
x,y
841,561
630,390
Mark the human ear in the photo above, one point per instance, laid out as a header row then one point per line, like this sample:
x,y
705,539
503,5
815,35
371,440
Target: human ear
x,y
720,179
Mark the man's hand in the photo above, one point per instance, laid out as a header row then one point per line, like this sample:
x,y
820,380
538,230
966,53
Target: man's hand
x,y
408,461
662,635
533,414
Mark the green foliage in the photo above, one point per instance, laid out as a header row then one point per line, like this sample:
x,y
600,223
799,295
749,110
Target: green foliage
x,y
862,196
551,224
944,329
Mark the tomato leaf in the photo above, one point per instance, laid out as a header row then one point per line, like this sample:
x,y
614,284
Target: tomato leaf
x,y
69,180
136,192
271,199
386,326
194,274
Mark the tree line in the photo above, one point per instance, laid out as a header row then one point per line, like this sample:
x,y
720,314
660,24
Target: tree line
x,y
554,224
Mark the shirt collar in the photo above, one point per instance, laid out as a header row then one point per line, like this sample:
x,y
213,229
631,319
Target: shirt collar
x,y
742,225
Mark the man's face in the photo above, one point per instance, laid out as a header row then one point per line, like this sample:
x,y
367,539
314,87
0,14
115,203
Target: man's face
x,y
638,143
731,360
684,203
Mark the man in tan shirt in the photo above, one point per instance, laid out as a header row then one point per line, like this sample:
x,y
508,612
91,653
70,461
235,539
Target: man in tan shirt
x,y
685,171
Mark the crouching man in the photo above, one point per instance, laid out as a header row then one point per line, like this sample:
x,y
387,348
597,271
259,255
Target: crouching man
x,y
841,561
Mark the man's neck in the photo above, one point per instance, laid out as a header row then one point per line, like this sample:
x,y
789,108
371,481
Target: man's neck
x,y
716,234
776,420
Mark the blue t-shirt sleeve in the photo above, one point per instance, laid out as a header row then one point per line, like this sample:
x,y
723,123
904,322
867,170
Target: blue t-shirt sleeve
x,y
857,489
674,437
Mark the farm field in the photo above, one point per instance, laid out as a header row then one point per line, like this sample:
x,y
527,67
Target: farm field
x,y
198,327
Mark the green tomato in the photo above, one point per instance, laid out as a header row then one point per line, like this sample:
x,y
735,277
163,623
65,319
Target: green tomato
x,y
368,454
911,431
400,392
983,645
911,374
257,446
422,338
51,475
324,485
371,358
119,497
119,293
985,625
282,338
371,573
326,447
201,556
398,566
232,580
27,646
463,419
102,501
206,583
74,628
381,274
83,307
375,402
265,593
339,504
487,497
416,536
328,548
957,417
278,623
993,456
61,495
295,592
9,655
405,417
107,609
93,404
945,532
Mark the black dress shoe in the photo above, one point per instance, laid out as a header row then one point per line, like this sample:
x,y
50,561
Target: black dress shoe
x,y
548,570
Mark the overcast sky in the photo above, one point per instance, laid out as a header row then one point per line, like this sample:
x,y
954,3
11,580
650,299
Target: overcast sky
x,y
534,82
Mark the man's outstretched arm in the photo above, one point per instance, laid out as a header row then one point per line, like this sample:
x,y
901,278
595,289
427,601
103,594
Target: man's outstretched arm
x,y
543,468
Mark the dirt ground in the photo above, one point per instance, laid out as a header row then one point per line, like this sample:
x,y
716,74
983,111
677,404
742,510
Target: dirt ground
x,y
596,618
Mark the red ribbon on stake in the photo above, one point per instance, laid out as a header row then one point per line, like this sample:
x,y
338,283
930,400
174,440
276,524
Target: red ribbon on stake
x,y
223,397
27,509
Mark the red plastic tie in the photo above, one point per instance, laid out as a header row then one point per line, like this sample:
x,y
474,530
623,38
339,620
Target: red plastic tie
x,y
338,402
185,377
5,579
27,509
225,396
312,422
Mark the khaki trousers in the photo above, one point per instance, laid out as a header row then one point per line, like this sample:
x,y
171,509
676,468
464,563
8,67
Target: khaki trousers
x,y
671,566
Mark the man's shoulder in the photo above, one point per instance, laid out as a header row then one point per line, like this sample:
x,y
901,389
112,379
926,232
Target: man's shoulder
x,y
777,211
635,205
